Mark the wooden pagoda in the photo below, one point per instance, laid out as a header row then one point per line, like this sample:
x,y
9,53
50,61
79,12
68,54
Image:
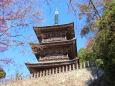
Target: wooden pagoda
x,y
57,47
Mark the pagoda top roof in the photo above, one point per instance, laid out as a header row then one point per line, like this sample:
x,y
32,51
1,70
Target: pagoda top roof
x,y
54,31
54,26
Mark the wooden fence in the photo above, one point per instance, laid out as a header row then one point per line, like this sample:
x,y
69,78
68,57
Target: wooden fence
x,y
49,72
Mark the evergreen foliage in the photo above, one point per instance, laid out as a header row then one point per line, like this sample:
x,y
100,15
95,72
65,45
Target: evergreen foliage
x,y
2,73
102,44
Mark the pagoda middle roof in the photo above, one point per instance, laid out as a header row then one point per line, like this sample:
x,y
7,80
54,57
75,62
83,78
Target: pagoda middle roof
x,y
53,43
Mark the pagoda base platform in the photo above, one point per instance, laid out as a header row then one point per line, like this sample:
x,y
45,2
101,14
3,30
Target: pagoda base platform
x,y
41,66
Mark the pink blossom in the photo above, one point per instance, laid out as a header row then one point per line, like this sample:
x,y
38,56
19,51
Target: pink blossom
x,y
23,53
3,49
6,60
2,30
8,34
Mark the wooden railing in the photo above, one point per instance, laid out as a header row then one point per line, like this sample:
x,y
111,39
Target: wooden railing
x,y
54,39
47,72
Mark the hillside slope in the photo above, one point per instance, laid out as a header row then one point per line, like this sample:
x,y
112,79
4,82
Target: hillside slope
x,y
79,77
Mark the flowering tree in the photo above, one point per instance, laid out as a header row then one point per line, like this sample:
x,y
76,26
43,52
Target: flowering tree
x,y
14,15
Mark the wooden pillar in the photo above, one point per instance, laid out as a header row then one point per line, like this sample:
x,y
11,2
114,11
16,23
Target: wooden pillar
x,y
47,71
56,70
23,78
37,74
5,82
66,67
70,67
26,78
53,71
60,69
88,63
40,73
29,76
44,72
77,65
50,72
84,64
63,69
73,66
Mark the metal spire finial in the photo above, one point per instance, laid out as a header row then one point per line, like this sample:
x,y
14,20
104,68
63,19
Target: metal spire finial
x,y
56,12
56,16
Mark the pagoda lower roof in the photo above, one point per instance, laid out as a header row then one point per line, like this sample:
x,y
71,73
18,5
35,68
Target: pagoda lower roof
x,y
49,64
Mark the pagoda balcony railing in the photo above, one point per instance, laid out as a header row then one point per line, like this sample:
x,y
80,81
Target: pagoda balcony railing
x,y
55,57
54,39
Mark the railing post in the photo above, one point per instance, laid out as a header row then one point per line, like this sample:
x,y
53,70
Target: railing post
x,y
0,83
23,77
73,66
60,69
84,64
49,71
37,74
70,67
29,76
66,68
63,69
40,73
10,80
56,70
77,65
5,82
44,72
53,69
26,78
88,63
80,65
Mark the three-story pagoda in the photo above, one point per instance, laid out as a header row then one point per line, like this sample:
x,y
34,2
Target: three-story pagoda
x,y
57,47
